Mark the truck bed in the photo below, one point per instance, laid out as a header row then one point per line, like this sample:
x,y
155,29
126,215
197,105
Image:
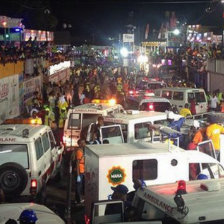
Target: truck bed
x,y
201,205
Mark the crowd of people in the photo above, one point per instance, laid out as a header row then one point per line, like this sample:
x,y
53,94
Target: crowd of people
x,y
11,52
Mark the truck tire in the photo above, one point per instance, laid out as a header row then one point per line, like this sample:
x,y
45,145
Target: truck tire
x,y
13,178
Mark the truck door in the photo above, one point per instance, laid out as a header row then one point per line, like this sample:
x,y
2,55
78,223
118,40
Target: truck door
x,y
207,147
89,132
47,155
111,134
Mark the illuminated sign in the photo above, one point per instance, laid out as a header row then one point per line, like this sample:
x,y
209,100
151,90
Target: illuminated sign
x,y
40,35
116,175
7,22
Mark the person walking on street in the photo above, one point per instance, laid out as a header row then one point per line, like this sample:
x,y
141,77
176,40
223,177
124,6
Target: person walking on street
x,y
80,170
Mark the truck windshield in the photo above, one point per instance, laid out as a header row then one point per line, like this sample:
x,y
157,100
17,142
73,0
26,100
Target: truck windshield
x,y
14,153
74,121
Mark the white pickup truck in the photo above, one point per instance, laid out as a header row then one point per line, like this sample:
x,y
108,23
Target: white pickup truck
x,y
120,163
202,202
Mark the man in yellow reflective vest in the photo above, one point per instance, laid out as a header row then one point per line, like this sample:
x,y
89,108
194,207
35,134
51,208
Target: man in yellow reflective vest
x,y
49,116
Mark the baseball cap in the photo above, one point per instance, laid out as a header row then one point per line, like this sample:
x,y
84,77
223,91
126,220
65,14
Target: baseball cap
x,y
120,188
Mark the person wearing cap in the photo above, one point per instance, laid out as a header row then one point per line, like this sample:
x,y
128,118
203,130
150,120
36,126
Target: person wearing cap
x,y
119,193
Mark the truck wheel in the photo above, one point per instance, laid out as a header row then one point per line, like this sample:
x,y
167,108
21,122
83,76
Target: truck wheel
x,y
13,178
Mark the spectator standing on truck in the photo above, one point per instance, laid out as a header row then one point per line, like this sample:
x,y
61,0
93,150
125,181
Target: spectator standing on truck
x,y
80,170
199,136
213,132
100,123
185,112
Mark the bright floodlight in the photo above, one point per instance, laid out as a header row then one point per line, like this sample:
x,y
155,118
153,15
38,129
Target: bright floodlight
x,y
176,32
124,52
142,59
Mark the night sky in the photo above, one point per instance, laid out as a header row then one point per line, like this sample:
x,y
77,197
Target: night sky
x,y
100,19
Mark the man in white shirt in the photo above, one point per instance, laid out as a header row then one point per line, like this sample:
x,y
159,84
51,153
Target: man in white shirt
x,y
214,102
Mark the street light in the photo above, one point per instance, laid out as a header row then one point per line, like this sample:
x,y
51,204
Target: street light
x,y
176,32
124,52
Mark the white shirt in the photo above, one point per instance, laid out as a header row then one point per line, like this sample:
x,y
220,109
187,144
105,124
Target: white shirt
x,y
213,103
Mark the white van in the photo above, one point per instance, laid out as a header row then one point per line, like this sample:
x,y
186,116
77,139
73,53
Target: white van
x,y
29,158
80,117
180,96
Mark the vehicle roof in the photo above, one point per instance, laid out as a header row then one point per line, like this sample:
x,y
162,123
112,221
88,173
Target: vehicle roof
x,y
15,131
199,202
141,116
180,88
154,99
130,149
95,107
147,148
13,211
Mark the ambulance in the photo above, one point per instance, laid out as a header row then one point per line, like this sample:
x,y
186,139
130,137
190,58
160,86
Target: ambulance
x,y
199,201
79,118
29,157
135,125
159,163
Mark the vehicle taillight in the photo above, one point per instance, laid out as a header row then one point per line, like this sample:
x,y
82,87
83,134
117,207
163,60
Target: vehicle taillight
x,y
151,107
33,186
181,188
87,219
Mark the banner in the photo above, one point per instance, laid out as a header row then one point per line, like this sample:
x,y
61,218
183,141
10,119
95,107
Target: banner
x,y
9,97
29,87
60,76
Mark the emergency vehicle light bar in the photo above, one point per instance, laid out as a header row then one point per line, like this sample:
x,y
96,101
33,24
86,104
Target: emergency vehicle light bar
x,y
23,121
111,102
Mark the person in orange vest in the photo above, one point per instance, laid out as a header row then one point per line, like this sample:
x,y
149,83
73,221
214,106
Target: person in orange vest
x,y
79,158
222,106
199,136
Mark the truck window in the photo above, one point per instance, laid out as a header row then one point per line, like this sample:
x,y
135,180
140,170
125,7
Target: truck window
x,y
207,148
142,131
88,119
14,153
52,140
145,169
46,142
39,148
74,121
200,97
167,94
212,170
178,95
112,134
124,128
190,97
